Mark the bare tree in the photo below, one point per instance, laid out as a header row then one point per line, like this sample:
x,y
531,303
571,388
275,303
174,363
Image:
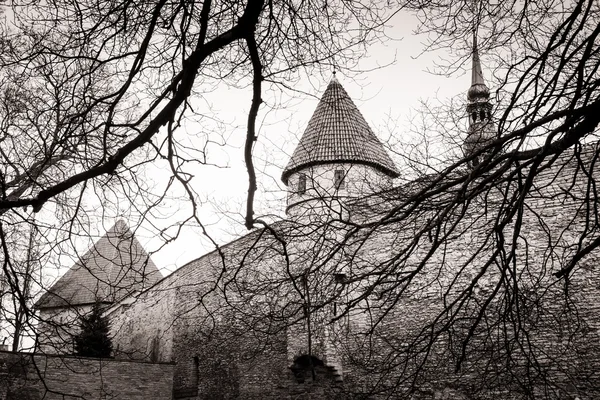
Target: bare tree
x,y
476,277
471,279
93,92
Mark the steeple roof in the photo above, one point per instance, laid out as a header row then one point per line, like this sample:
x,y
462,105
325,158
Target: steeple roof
x,y
337,132
481,132
478,90
117,265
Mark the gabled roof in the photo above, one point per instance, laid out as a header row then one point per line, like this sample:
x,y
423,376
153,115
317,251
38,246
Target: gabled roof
x,y
117,265
337,132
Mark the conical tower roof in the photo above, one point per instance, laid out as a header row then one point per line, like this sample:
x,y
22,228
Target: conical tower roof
x,y
116,266
337,132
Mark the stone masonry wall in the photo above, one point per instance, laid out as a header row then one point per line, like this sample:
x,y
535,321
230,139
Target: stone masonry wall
x,y
186,319
216,308
26,376
142,326
557,318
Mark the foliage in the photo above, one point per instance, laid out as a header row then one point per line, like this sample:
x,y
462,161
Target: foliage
x,y
93,339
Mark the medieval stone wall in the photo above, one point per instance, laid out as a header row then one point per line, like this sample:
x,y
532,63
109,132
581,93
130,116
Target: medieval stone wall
x,y
554,320
26,376
217,309
204,331
142,326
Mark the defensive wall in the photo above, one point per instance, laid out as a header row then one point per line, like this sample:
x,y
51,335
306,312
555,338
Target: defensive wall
x,y
217,333
26,376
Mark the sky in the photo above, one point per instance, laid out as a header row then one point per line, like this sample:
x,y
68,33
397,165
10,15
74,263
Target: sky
x,y
397,77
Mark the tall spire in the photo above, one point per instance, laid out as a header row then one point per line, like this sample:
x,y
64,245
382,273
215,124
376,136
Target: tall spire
x,y
481,128
477,73
478,89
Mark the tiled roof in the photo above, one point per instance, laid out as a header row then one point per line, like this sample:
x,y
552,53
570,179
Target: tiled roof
x,y
337,132
114,267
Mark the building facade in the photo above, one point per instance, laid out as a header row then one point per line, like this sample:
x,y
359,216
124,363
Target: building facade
x,y
116,267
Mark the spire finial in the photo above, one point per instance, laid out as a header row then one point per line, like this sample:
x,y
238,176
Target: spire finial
x,y
334,77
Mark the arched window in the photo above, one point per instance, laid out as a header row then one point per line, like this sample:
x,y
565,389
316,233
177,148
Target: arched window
x,y
482,114
474,116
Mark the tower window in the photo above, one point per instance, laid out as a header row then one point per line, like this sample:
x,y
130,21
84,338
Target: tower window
x,y
340,278
338,179
301,184
482,114
474,116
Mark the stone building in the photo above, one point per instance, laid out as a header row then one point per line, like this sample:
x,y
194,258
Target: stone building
x,y
451,286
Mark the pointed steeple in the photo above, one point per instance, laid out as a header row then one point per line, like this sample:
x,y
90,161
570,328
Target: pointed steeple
x,y
338,133
481,128
478,90
476,72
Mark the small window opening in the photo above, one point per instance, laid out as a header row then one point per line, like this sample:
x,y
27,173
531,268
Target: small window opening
x,y
338,179
155,349
302,184
340,278
304,279
482,115
474,116
196,371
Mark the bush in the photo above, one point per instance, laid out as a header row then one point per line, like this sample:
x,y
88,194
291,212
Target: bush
x,y
93,339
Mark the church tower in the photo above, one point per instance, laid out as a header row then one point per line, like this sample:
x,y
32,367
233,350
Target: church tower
x,y
481,132
338,158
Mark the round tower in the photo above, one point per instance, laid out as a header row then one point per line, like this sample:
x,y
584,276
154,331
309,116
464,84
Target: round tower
x,y
338,158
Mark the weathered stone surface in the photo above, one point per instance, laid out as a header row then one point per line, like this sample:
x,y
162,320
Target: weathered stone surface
x,y
26,376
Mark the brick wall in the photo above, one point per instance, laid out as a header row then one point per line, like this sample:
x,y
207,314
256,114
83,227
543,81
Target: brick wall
x,y
26,376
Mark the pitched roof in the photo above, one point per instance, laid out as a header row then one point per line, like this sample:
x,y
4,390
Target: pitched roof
x,y
337,132
114,267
